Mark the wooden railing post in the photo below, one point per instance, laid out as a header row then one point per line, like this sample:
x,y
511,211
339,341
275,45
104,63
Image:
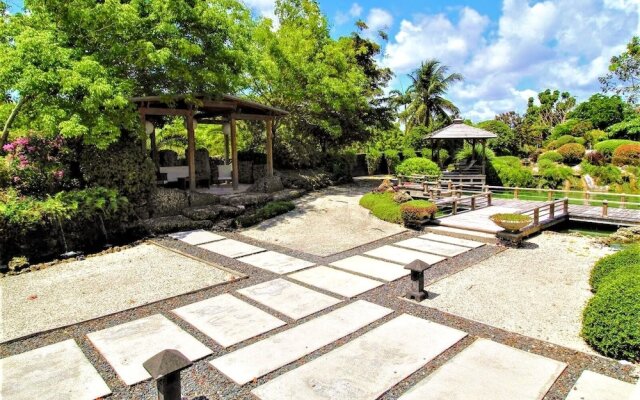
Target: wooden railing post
x,y
489,195
454,207
586,198
565,204
516,192
473,202
549,195
536,216
552,210
623,199
605,208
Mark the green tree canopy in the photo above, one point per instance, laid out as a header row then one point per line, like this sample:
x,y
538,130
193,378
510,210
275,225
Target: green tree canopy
x,y
602,111
624,73
506,143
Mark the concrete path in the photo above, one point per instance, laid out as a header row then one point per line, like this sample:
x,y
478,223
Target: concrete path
x,y
335,281
197,237
366,367
228,320
277,263
402,255
593,386
452,240
231,248
430,246
386,271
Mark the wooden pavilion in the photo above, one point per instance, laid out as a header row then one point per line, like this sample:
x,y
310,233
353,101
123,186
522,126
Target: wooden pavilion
x,y
225,110
458,130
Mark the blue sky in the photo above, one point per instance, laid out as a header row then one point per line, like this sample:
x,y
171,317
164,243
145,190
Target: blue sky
x,y
508,50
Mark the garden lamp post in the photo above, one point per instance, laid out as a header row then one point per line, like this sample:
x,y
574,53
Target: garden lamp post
x,y
417,268
165,368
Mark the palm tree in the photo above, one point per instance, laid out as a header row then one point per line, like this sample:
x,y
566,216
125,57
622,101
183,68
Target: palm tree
x,y
399,100
429,84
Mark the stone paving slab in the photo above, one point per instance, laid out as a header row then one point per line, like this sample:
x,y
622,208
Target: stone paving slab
x,y
127,346
593,386
429,246
263,357
387,271
452,240
402,255
228,320
489,370
231,248
57,371
332,280
286,297
368,366
197,237
275,262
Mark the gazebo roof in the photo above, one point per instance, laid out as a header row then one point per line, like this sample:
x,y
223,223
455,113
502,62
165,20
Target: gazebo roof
x,y
459,130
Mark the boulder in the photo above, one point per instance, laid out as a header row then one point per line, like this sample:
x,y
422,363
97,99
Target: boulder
x,y
175,223
267,185
166,202
211,212
288,194
247,199
625,235
18,263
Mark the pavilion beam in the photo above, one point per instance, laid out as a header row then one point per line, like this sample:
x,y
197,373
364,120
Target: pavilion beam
x,y
234,153
253,117
164,111
269,148
191,151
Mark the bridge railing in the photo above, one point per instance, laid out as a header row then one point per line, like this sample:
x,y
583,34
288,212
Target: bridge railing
x,y
548,211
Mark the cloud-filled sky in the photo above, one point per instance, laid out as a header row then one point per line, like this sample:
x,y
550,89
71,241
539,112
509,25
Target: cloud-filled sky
x,y
507,50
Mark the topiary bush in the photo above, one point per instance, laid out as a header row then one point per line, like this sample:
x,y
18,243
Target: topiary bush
x,y
417,166
572,153
507,171
627,154
609,267
553,175
611,319
594,157
561,141
552,155
415,211
607,147
383,206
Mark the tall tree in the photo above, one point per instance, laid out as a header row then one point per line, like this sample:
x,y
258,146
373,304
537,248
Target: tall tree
x,y
624,73
429,85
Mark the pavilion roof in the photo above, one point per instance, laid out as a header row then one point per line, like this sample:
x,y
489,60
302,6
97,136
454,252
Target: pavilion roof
x,y
459,130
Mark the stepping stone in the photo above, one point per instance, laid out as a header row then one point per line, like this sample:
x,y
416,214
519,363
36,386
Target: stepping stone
x,y
258,359
451,240
197,237
332,280
277,263
228,320
231,248
128,345
429,246
402,255
371,267
489,370
57,371
292,300
368,366
592,386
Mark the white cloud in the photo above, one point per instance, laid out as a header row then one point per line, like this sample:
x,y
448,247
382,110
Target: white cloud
x,y
379,19
265,8
557,44
356,10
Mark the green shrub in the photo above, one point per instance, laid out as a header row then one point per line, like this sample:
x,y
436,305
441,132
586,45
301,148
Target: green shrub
x,y
610,266
408,153
604,175
594,136
341,165
627,154
465,153
442,155
553,175
551,156
383,206
508,171
417,210
562,140
393,159
373,158
417,166
4,173
269,210
572,153
611,319
607,147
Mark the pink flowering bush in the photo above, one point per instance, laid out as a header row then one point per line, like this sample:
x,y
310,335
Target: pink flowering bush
x,y
37,166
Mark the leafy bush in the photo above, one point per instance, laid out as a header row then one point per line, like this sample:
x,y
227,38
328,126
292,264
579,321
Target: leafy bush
x,y
594,157
607,147
408,153
572,153
382,206
507,171
625,129
627,154
442,155
551,156
4,173
341,165
604,175
465,153
594,136
269,210
561,141
373,158
417,166
417,210
610,322
553,175
571,127
610,266
393,158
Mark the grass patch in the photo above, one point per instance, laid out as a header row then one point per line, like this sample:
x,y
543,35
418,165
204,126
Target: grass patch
x,y
382,206
269,210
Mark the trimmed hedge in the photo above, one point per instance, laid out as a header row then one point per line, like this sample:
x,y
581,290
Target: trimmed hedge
x,y
627,154
417,166
383,206
416,210
608,267
607,147
270,210
552,155
572,152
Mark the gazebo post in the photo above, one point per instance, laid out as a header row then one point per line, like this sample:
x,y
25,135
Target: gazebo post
x,y
234,152
269,147
191,151
484,155
226,130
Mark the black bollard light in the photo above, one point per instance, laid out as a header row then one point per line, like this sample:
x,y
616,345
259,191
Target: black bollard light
x,y
165,368
417,269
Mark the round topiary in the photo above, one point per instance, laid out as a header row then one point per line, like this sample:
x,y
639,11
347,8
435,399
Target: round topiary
x,y
417,166
607,147
572,152
611,320
627,154
551,156
614,264
417,210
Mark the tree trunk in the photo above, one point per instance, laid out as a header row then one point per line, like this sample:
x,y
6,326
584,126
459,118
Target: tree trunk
x,y
12,116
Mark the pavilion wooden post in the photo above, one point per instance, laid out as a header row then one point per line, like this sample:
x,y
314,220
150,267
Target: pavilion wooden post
x,y
191,151
234,153
484,155
226,130
143,120
269,148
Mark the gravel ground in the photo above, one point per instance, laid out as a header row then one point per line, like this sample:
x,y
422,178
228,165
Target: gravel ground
x,y
202,382
47,299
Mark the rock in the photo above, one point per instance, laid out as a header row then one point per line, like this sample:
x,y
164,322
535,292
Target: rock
x,y
288,194
169,202
625,235
175,223
385,186
203,199
245,199
401,197
18,263
267,185
212,212
304,179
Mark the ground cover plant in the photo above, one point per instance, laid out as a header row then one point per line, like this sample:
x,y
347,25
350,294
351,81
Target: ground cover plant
x,y
383,206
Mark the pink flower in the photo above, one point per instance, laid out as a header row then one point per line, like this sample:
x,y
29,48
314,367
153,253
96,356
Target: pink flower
x,y
23,141
16,179
8,147
58,174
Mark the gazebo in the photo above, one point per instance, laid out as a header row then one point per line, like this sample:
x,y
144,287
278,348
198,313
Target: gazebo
x,y
225,110
458,130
